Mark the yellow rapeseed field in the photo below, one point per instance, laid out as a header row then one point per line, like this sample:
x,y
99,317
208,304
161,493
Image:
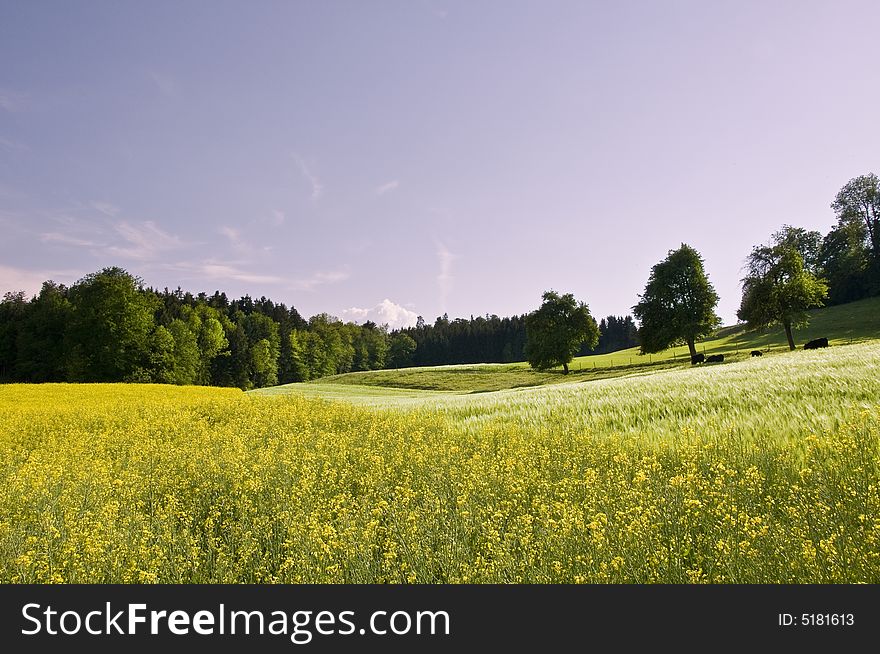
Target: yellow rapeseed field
x,y
144,483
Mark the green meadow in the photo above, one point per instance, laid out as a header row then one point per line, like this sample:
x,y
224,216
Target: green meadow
x,y
842,325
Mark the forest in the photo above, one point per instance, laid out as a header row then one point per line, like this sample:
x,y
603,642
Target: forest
x,y
109,327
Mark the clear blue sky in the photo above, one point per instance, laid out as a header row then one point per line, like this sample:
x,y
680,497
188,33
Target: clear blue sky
x,y
387,159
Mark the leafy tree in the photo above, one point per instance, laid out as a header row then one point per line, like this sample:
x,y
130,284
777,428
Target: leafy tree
x,y
807,243
265,364
557,329
187,359
289,358
316,358
233,366
161,361
336,342
401,349
13,312
370,344
110,325
264,343
40,351
859,201
844,260
212,341
678,304
291,365
779,289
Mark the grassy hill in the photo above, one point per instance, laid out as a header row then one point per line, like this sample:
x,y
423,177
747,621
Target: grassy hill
x,y
844,324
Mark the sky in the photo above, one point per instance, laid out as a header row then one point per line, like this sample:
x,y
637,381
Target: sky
x,y
383,160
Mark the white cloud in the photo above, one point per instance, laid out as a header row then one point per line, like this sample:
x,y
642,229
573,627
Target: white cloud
x,y
31,281
235,240
277,217
445,278
105,208
231,270
143,240
354,314
240,244
67,239
319,279
384,313
215,270
387,187
311,178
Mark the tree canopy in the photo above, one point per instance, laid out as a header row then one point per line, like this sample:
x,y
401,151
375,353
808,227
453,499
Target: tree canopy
x,y
556,331
111,322
678,304
859,201
778,287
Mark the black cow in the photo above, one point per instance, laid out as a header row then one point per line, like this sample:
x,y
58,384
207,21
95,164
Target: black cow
x,y
697,358
816,343
715,358
757,353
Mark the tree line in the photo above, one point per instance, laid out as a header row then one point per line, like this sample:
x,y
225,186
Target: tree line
x,y
796,270
108,327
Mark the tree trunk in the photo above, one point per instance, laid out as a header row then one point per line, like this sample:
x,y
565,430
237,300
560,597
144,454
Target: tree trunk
x,y
787,325
565,368
691,348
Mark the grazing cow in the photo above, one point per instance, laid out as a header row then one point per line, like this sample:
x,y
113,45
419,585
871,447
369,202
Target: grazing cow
x,y
757,353
715,358
816,343
697,358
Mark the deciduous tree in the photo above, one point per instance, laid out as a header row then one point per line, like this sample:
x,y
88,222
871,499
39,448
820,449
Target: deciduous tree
x,y
556,331
779,289
678,304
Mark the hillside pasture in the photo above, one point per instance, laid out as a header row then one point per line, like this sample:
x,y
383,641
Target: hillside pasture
x,y
843,325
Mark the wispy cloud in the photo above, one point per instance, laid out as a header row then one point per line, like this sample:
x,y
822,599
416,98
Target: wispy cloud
x,y
277,217
319,279
68,239
310,177
240,244
142,241
12,100
234,237
445,258
387,187
108,236
385,313
31,281
105,208
165,83
210,269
